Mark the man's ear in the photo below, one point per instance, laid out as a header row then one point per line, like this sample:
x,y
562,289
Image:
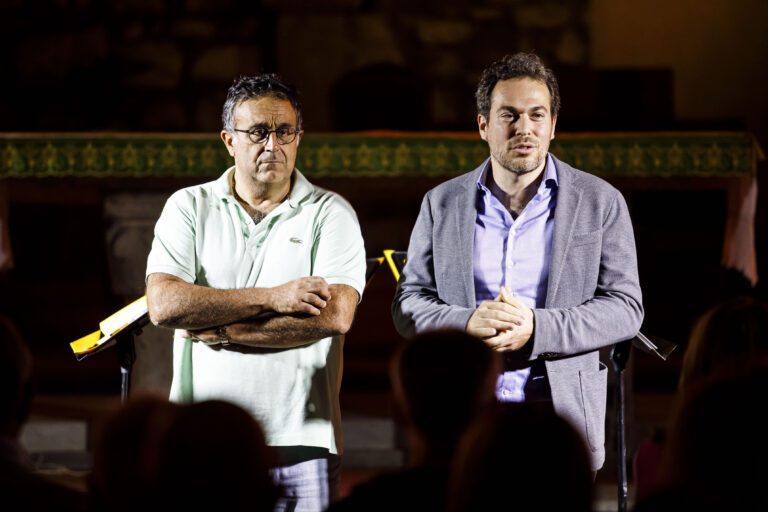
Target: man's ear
x,y
299,135
229,141
554,122
482,126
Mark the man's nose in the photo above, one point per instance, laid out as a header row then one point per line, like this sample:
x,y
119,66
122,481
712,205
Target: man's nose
x,y
271,143
523,125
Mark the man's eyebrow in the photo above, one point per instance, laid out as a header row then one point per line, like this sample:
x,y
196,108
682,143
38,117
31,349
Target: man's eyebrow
x,y
267,126
509,108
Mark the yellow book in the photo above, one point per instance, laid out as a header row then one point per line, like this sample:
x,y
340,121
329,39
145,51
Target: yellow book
x,y
86,343
117,321
131,316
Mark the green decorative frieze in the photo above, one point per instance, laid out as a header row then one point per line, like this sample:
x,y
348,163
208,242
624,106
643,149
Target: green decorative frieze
x,y
664,155
114,156
371,155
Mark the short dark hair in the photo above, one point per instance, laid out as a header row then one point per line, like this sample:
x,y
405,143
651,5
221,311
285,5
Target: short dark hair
x,y
519,65
251,87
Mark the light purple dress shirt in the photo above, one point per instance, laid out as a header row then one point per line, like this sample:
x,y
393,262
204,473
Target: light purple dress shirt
x,y
515,252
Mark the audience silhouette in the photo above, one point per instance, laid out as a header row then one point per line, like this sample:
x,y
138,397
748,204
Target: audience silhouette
x,y
19,485
442,381
521,457
724,338
714,457
207,455
124,474
466,452
210,443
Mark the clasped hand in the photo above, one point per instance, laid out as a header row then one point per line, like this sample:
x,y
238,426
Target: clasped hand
x,y
504,323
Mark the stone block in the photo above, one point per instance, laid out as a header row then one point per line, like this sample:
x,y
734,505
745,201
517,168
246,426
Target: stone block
x,y
194,29
153,65
323,49
572,48
384,459
45,56
224,63
444,32
368,432
370,442
206,6
54,435
544,15
130,221
146,7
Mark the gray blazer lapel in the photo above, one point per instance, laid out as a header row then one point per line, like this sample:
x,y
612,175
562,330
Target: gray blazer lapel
x,y
466,215
566,211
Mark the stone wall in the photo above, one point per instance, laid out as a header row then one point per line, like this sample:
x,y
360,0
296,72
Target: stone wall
x,y
130,222
165,66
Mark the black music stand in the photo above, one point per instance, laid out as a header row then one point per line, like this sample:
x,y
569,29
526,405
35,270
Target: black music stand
x,y
126,355
126,349
620,357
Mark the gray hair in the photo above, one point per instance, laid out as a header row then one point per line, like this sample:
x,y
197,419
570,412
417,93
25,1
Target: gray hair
x,y
251,87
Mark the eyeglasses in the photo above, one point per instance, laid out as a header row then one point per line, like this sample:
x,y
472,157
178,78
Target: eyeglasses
x,y
259,134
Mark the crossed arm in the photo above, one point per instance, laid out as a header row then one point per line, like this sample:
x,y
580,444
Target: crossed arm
x,y
290,315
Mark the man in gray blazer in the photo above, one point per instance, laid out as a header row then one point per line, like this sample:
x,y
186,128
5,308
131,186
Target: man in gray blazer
x,y
532,256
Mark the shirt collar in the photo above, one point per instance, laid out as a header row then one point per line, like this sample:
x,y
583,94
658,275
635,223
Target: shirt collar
x,y
300,188
550,177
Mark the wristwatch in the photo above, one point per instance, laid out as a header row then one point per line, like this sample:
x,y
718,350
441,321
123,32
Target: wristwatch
x,y
221,333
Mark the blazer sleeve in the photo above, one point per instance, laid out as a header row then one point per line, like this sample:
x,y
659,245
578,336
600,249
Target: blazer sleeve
x,y
614,313
418,306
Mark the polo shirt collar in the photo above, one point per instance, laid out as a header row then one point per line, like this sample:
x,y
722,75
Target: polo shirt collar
x,y
300,188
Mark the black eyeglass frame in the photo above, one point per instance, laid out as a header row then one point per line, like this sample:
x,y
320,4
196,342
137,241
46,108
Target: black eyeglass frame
x,y
252,133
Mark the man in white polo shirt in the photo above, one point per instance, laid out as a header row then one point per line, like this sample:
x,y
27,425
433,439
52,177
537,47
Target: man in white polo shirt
x,y
260,273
